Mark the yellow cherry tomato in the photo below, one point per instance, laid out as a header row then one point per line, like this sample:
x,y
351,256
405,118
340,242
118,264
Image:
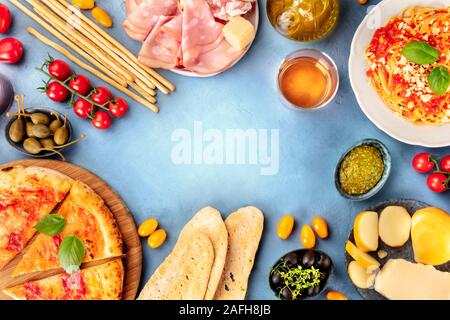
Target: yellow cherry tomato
x,y
148,227
320,227
157,238
102,17
84,4
334,295
285,226
307,237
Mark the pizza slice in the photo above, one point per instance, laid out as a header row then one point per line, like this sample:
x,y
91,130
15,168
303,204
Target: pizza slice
x,y
88,218
102,282
26,195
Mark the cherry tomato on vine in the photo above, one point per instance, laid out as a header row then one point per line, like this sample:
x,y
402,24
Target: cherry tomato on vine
x,y
83,108
80,84
422,162
59,69
101,120
445,163
437,182
118,107
57,92
11,50
5,18
101,95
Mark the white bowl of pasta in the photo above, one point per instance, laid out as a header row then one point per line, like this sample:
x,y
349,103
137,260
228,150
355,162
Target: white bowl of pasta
x,y
396,93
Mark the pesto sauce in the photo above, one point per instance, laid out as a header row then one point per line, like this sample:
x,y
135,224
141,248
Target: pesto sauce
x,y
361,170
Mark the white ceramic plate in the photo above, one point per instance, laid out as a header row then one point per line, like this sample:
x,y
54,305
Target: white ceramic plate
x,y
253,17
368,99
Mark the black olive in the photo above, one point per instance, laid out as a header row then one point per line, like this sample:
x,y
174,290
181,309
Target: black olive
x,y
308,258
286,293
312,291
323,262
291,260
275,278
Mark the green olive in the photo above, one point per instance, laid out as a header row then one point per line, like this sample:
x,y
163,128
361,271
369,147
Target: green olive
x,y
40,131
29,125
61,136
47,143
32,146
55,124
40,118
17,130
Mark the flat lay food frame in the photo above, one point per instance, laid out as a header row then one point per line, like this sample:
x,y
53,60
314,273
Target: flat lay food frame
x,y
224,150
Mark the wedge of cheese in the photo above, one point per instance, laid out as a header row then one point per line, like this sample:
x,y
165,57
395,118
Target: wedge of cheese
x,y
239,32
403,280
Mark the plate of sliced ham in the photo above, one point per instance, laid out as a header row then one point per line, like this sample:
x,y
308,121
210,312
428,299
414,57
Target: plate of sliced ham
x,y
187,36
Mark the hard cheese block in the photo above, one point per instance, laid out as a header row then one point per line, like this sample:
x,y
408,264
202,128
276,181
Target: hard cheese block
x,y
403,280
239,32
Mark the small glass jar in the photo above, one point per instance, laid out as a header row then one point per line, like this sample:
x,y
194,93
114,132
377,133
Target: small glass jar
x,y
303,20
302,89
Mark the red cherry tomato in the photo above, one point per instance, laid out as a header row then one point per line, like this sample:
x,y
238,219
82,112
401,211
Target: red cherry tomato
x,y
437,182
101,120
445,163
101,95
5,18
422,162
83,108
118,107
80,84
57,92
59,69
11,50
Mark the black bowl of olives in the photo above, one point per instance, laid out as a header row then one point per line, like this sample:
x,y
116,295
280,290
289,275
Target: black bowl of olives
x,y
300,274
38,132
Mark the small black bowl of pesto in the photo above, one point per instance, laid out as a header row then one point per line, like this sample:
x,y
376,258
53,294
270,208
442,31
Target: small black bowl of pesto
x,y
363,170
300,274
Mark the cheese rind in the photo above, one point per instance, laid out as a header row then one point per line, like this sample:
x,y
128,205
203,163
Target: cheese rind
x,y
403,280
239,32
430,235
366,231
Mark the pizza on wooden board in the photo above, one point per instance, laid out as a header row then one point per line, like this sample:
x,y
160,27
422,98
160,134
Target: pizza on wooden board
x,y
88,218
26,196
102,282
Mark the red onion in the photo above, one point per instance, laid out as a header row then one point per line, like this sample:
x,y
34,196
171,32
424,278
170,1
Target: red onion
x,y
6,94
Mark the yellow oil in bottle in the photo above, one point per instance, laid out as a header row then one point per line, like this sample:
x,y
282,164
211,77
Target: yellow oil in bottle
x,y
303,20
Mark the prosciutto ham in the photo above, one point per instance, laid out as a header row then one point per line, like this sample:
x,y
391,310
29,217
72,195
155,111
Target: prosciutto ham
x,y
184,36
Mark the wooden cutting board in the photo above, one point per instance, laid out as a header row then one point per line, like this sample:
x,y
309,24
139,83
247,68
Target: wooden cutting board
x,y
133,251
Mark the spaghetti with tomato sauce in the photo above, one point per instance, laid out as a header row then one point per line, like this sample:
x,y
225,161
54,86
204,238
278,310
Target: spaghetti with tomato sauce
x,y
401,84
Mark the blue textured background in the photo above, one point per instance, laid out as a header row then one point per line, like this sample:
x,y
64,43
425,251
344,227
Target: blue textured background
x,y
134,155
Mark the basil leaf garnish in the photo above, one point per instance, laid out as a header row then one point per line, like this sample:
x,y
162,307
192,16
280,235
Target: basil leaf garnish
x,y
439,80
71,254
420,53
51,224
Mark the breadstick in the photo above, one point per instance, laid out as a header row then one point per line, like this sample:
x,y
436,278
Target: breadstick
x,y
85,66
160,81
67,42
76,37
88,32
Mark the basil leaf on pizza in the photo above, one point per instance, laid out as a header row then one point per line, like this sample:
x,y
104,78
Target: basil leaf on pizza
x,y
51,225
71,254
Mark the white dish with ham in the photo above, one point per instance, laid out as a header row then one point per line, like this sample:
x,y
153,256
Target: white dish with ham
x,y
198,38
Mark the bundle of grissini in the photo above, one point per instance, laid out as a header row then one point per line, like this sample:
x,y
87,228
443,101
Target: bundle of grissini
x,y
212,258
109,59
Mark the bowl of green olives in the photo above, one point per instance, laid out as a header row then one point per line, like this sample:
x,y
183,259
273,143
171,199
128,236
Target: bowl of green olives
x,y
38,132
300,274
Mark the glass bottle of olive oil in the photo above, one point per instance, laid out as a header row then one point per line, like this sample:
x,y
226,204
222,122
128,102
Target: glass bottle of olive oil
x,y
303,20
